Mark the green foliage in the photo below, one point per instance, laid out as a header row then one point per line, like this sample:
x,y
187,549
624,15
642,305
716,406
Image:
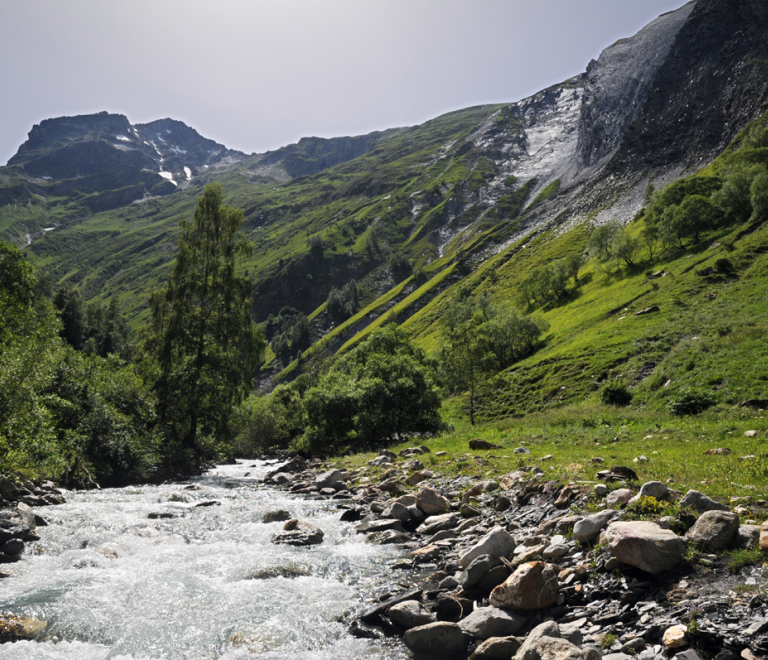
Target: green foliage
x,y
550,285
400,266
202,339
288,333
479,340
601,240
16,289
624,247
616,394
745,557
345,302
691,401
381,389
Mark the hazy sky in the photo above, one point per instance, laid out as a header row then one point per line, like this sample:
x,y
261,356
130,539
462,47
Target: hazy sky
x,y
258,74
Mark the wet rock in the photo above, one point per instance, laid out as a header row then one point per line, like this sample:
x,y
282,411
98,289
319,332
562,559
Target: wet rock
x,y
645,545
301,534
438,639
486,622
362,633
283,478
496,543
410,614
448,583
618,497
438,524
532,586
715,530
371,616
278,515
380,526
160,515
14,628
700,503
427,553
13,548
589,528
496,648
288,571
389,537
26,514
431,502
351,515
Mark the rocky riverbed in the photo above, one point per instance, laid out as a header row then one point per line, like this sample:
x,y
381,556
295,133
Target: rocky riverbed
x,y
301,559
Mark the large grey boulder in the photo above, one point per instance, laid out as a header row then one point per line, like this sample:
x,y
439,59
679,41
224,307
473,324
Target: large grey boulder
x,y
410,614
589,528
533,586
27,515
715,530
700,503
327,479
618,497
496,543
439,639
655,489
645,545
748,536
545,642
431,502
476,571
438,524
487,622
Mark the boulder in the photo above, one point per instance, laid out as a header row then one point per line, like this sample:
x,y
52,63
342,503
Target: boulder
x,y
380,526
278,515
496,543
645,545
764,536
533,586
496,648
13,548
14,628
674,637
509,481
438,524
427,553
327,479
439,639
715,530
483,444
700,503
589,528
487,622
656,489
748,536
493,578
410,614
618,497
476,571
396,511
431,502
468,511
300,534
27,515
415,478
545,642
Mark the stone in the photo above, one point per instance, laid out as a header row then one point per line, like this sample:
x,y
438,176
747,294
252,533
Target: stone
x,y
656,489
493,578
618,497
415,478
624,472
509,481
27,515
496,543
645,545
476,571
439,639
410,614
371,616
486,622
764,536
468,511
483,444
380,526
327,479
674,637
427,553
417,515
555,551
748,536
448,583
589,528
282,478
380,461
715,530
700,503
278,515
438,524
431,502
449,608
396,511
688,654
522,450
751,434
545,642
302,534
14,628
601,490
533,586
496,648
13,548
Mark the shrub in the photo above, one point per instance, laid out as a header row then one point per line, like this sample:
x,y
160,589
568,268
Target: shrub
x,y
691,401
616,394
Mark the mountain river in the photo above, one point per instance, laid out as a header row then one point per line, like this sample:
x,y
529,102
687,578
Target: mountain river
x,y
206,584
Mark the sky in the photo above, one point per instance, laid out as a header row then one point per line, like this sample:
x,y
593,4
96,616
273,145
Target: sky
x,y
258,74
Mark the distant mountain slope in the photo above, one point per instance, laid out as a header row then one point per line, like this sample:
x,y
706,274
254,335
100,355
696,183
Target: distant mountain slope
x,y
453,195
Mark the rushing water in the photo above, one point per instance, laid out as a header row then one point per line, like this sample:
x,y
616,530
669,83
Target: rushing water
x,y
113,584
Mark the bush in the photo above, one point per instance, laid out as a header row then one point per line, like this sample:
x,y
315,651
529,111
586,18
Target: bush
x,y
616,394
691,401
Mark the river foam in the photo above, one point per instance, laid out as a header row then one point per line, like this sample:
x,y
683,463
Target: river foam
x,y
114,584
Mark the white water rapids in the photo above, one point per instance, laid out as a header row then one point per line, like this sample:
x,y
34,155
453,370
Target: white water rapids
x,y
113,584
